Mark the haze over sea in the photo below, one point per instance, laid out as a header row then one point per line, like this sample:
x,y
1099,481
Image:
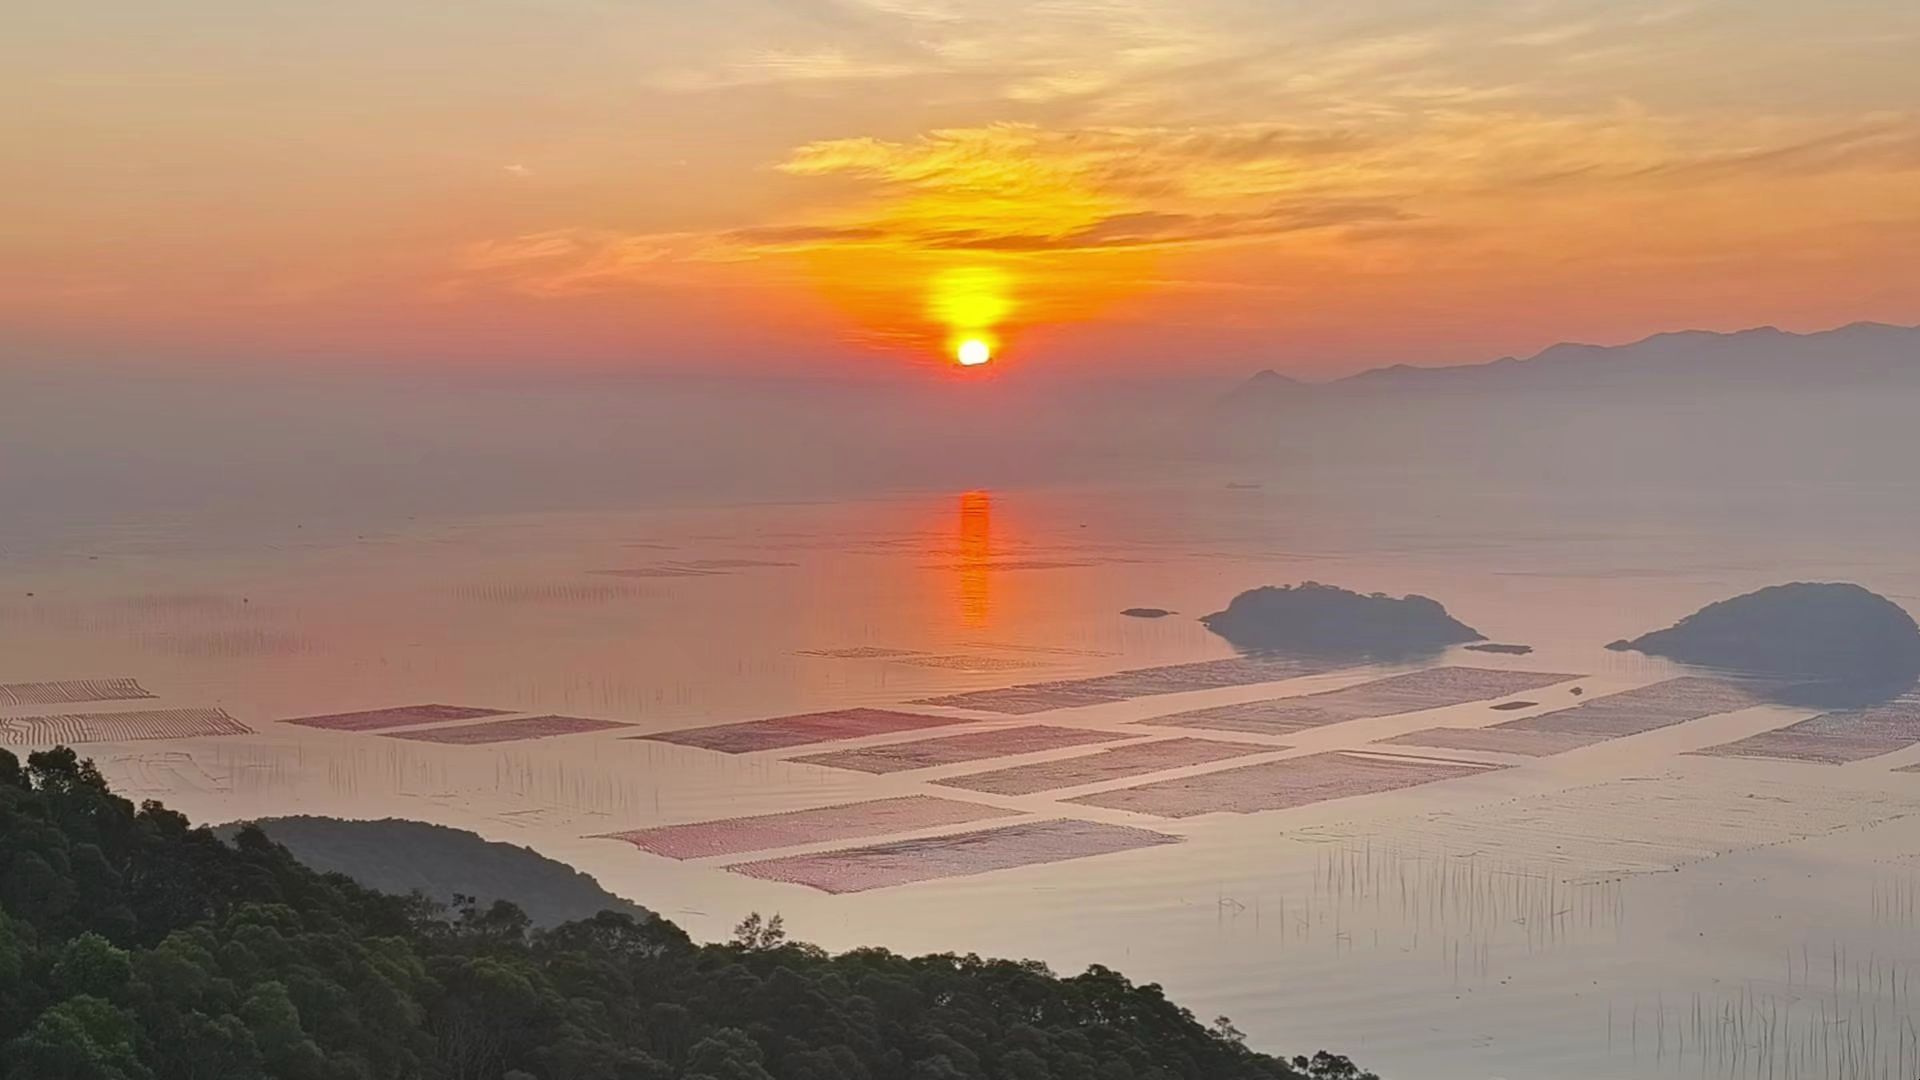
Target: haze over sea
x,y
670,553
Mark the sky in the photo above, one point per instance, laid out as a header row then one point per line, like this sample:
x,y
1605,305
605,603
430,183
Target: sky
x,y
859,186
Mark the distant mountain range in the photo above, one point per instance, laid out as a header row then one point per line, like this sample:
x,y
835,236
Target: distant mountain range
x,y
1859,354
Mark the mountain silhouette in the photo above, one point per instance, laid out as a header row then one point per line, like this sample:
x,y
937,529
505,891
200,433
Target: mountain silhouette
x,y
1863,353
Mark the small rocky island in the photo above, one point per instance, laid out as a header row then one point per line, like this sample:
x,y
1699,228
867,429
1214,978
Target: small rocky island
x,y
1146,613
1316,618
1502,649
1829,631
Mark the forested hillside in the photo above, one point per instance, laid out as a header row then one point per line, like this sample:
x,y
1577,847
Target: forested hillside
x,y
134,946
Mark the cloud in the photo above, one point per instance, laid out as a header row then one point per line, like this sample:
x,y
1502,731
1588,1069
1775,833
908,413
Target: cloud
x,y
1029,191
1891,143
561,262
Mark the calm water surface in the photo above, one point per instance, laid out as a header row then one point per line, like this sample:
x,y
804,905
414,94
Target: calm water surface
x,y
1622,910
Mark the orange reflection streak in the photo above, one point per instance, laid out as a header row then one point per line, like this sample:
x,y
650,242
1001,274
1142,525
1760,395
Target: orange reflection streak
x,y
975,564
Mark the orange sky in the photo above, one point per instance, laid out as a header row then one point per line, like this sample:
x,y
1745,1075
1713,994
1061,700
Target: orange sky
x,y
1131,185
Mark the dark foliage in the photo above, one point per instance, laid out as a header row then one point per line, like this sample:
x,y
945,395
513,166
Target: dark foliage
x,y
1324,619
135,947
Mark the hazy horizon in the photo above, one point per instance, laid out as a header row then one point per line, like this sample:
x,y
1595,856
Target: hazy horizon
x,y
763,185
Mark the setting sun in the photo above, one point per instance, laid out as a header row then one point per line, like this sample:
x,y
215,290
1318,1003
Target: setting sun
x,y
974,352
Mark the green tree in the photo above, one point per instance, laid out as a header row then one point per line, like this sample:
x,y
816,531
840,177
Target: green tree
x,y
82,1038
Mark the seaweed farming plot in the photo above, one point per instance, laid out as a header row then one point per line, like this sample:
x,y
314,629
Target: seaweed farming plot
x,y
691,568
1021,700
1616,716
1140,682
849,821
1048,650
956,855
398,716
137,726
970,663
1497,739
71,691
1279,785
860,652
1416,691
497,731
781,732
1834,738
954,749
571,592
1118,763
727,564
1604,831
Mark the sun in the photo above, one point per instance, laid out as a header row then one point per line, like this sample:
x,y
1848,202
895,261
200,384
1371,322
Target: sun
x,y
973,352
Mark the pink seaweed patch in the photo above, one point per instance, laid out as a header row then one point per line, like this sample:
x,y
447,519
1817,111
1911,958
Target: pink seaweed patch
x,y
496,731
1118,763
1834,738
71,691
1140,682
903,862
398,716
860,652
848,821
928,753
137,726
1616,716
969,663
1278,785
1417,691
1497,740
780,732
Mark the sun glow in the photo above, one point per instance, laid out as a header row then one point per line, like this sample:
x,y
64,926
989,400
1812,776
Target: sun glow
x,y
970,302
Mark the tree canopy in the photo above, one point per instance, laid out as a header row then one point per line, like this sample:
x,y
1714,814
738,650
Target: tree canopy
x,y
134,946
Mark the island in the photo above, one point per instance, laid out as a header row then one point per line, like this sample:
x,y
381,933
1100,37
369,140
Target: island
x,y
1835,636
1316,618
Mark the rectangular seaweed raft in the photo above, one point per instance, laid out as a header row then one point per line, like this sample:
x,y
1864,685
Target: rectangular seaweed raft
x,y
1834,738
140,726
848,821
71,691
1126,685
780,732
954,749
903,862
1118,763
498,731
398,716
1416,691
1279,785
1616,716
